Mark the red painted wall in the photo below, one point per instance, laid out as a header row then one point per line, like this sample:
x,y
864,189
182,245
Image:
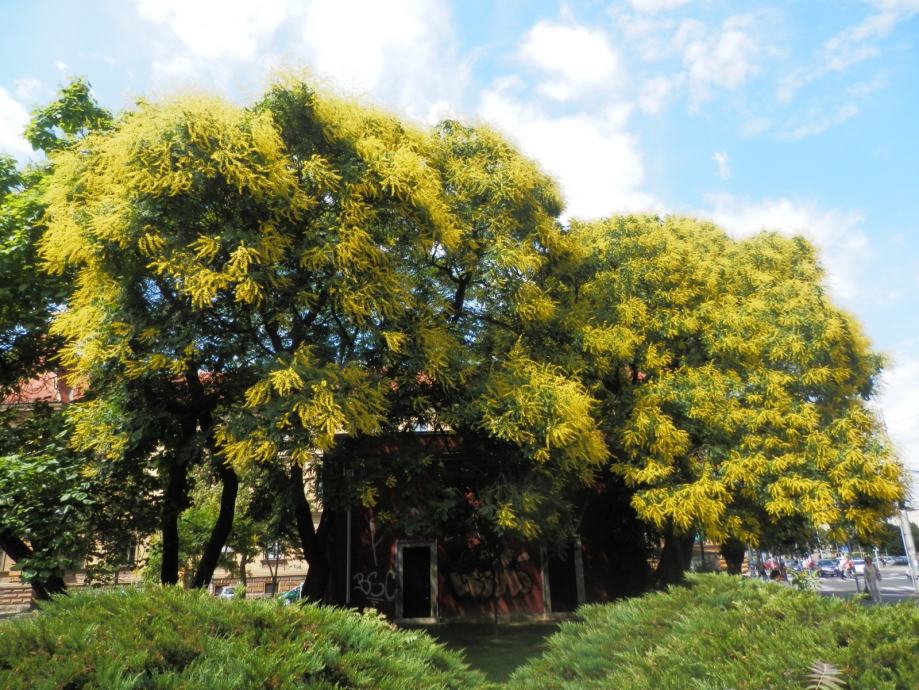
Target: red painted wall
x,y
461,592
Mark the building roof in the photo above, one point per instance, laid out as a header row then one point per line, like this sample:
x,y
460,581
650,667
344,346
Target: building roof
x,y
48,387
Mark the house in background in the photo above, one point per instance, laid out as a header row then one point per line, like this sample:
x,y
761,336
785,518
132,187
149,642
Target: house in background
x,y
428,579
412,566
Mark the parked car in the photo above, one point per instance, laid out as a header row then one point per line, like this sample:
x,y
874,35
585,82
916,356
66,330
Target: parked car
x,y
292,595
859,565
227,592
826,567
899,560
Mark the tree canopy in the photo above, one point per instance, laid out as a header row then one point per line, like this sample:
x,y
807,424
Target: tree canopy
x,y
733,392
60,508
251,285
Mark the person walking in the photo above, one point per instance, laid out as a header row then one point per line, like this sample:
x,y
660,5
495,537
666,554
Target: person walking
x,y
872,577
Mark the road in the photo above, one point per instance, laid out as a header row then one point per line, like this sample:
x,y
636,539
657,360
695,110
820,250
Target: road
x,y
895,585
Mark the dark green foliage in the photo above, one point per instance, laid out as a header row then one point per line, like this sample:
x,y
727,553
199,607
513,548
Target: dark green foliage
x,y
71,116
727,632
172,638
63,508
45,498
27,297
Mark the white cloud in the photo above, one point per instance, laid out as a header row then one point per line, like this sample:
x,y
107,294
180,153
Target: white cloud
x,y
649,38
880,81
901,6
576,59
844,247
721,165
900,404
821,123
654,93
725,58
654,6
181,71
27,88
850,46
439,111
754,126
219,28
401,51
595,159
13,120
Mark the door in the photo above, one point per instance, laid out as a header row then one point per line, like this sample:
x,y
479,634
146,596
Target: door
x,y
417,577
565,575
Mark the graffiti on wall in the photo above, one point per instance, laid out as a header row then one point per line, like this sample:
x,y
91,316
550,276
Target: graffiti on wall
x,y
375,584
511,579
375,588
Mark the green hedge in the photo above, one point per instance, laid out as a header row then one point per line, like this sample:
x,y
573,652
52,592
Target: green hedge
x,y
729,632
170,638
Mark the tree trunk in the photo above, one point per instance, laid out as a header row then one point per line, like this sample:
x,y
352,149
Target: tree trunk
x,y
18,550
243,562
320,582
173,502
302,514
616,547
317,546
733,551
52,586
494,595
675,559
218,537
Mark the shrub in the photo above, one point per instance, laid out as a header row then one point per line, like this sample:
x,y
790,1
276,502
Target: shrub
x,y
729,632
172,638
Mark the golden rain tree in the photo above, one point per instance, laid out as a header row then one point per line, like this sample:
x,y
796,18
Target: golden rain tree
x,y
251,282
733,393
525,429
234,267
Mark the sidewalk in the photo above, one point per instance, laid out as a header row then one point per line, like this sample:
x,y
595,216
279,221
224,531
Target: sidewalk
x,y
895,586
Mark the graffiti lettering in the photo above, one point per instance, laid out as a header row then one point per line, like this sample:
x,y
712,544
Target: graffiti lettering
x,y
511,580
481,584
374,588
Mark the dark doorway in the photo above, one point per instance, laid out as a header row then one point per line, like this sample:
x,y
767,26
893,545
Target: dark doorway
x,y
563,581
416,582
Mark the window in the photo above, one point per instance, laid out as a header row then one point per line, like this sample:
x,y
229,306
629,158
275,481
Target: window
x,y
274,553
271,588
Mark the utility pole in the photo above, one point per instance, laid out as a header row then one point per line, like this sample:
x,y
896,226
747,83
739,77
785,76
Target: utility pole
x,y
906,533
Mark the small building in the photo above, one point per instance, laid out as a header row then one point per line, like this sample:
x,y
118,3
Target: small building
x,y
426,574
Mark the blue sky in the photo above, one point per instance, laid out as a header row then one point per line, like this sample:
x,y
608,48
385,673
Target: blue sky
x,y
796,116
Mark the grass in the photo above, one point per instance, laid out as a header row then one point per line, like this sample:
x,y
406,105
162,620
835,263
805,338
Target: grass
x,y
495,656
